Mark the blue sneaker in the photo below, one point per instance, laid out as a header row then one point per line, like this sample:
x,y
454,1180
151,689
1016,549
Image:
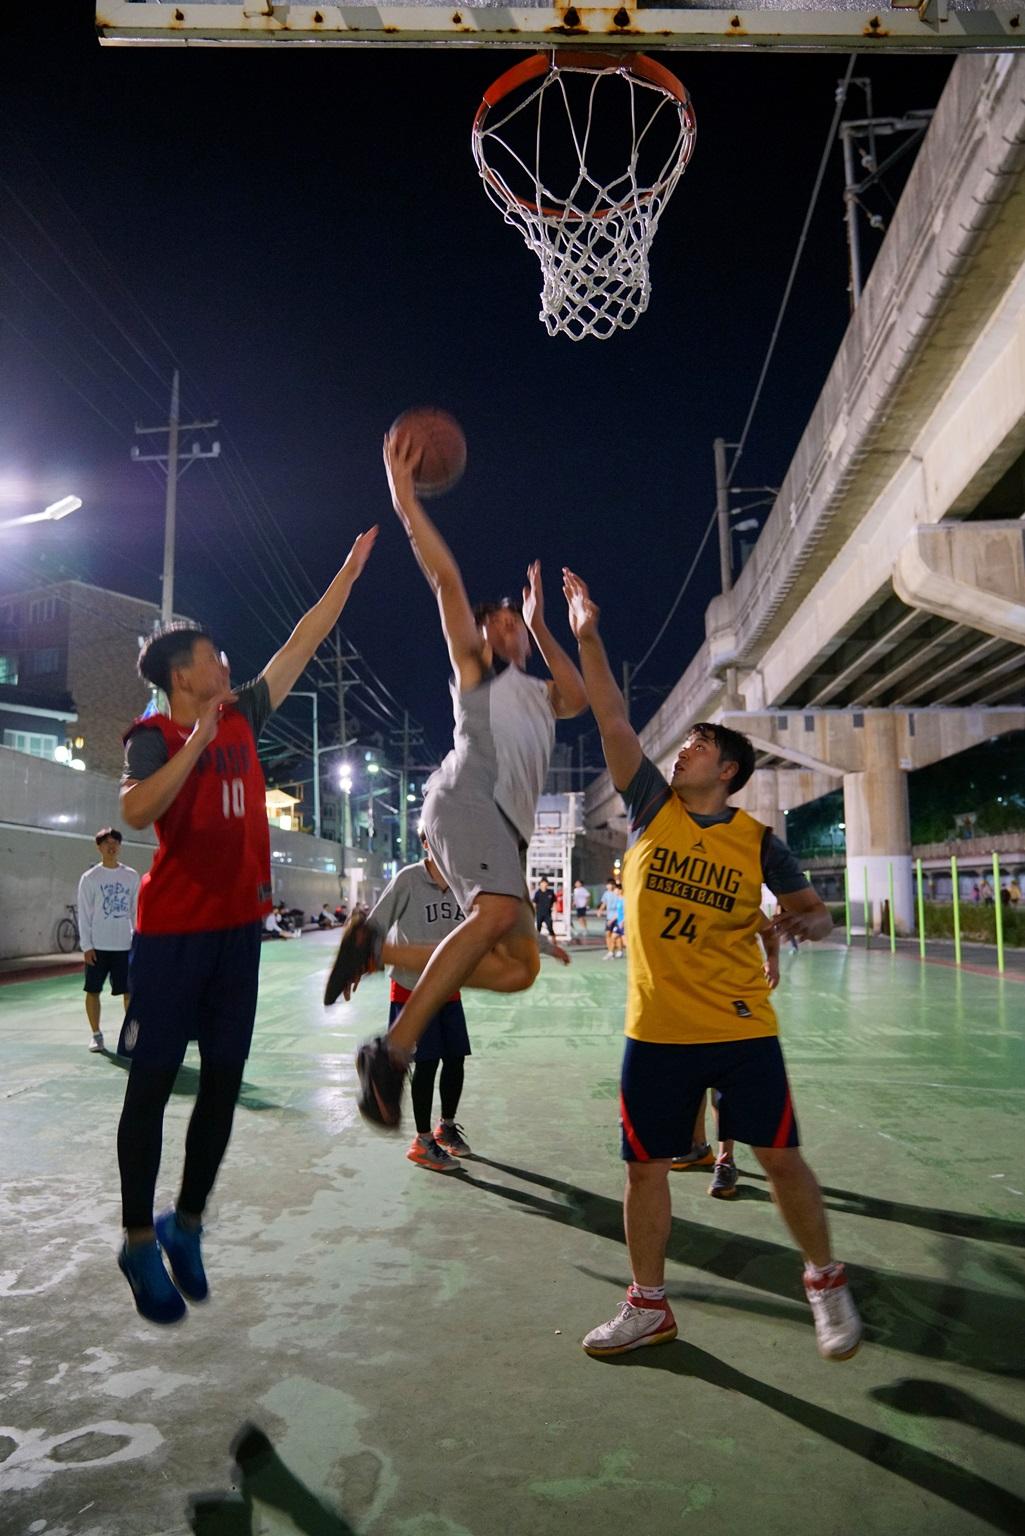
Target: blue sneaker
x,y
182,1248
156,1297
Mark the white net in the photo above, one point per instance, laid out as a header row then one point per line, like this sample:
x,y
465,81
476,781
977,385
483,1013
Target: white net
x,y
581,153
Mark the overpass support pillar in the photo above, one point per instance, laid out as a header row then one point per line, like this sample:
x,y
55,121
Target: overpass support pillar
x,y
762,801
878,825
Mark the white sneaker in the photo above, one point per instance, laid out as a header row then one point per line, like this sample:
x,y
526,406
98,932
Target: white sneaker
x,y
637,1322
838,1327
96,1042
608,955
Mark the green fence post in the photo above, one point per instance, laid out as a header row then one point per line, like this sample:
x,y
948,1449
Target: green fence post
x,y
957,910
921,911
868,915
847,903
998,909
893,929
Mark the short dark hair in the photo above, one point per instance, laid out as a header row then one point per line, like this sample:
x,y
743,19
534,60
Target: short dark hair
x,y
483,611
732,746
170,647
105,832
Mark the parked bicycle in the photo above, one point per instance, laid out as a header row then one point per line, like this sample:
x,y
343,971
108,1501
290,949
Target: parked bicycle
x,y
67,935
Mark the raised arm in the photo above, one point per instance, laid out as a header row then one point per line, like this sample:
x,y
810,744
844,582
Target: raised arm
x,y
619,740
145,800
566,689
285,668
438,564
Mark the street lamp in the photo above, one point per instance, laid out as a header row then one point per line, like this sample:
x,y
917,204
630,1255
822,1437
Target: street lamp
x,y
51,514
345,785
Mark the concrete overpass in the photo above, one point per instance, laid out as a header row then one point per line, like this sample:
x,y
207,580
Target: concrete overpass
x,y
879,622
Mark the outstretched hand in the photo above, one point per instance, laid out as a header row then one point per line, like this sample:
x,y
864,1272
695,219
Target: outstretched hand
x,y
209,718
533,597
583,612
401,462
359,554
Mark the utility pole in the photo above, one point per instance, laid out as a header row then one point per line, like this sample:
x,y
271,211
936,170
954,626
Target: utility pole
x,y
403,791
409,737
299,694
174,467
722,512
341,684
913,124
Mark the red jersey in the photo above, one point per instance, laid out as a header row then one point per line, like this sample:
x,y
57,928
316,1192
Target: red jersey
x,y
212,865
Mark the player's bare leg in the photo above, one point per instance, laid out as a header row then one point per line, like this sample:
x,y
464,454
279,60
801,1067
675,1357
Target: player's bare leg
x,y
508,967
493,919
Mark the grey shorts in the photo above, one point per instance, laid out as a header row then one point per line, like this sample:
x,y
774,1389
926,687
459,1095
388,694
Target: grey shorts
x,y
476,848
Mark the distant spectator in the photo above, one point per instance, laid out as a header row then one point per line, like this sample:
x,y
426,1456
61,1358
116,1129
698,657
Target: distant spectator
x,y
326,918
107,898
581,901
987,892
273,927
1014,890
544,901
1005,896
976,893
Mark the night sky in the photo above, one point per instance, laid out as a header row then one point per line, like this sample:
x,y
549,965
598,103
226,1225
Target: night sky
x,y
307,235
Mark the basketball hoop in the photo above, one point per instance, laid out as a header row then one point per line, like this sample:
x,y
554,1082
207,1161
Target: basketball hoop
x,y
534,132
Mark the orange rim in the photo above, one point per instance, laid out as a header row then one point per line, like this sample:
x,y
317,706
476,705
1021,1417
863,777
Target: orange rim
x,y
640,65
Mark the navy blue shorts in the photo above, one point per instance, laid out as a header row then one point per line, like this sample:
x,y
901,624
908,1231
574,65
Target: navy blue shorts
x,y
661,1088
192,986
108,962
446,1035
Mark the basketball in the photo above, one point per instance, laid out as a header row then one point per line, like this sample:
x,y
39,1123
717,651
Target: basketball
x,y
441,444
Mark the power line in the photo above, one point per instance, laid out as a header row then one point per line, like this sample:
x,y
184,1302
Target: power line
x,y
841,100
841,97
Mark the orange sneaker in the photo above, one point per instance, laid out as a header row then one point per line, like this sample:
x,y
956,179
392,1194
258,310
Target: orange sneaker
x,y
700,1156
425,1152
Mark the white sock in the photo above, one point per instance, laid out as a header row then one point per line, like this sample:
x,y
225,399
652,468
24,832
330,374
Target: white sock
x,y
649,1292
813,1272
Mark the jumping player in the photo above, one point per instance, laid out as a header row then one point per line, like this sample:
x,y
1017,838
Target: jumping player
x,y
417,907
478,812
195,958
698,1010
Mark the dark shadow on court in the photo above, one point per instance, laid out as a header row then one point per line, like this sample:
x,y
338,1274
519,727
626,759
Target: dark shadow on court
x,y
966,1490
935,1400
847,1202
186,1085
261,1474
938,1319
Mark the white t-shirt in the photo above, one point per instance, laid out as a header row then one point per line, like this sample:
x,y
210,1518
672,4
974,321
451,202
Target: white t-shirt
x,y
581,898
107,899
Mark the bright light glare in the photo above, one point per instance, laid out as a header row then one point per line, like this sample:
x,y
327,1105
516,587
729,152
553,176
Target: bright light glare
x,y
373,767
59,509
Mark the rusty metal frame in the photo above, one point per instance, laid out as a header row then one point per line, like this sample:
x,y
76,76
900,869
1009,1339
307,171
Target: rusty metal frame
x,y
894,25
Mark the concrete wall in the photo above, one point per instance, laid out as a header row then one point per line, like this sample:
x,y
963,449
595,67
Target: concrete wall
x,y
49,816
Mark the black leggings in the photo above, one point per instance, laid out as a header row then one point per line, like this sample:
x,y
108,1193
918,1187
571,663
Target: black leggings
x,y
422,1091
140,1136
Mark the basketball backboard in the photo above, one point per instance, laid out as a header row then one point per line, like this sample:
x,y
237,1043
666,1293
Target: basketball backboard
x,y
788,25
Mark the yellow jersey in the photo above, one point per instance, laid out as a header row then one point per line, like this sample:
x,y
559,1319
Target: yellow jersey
x,y
693,913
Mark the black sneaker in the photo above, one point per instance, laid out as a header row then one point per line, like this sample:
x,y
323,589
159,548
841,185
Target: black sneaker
x,y
358,955
724,1181
380,1085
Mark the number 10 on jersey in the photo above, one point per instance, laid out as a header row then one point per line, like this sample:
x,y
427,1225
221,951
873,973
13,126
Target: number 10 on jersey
x,y
233,798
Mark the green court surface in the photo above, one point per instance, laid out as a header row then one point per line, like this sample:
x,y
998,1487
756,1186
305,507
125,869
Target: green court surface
x,y
409,1342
